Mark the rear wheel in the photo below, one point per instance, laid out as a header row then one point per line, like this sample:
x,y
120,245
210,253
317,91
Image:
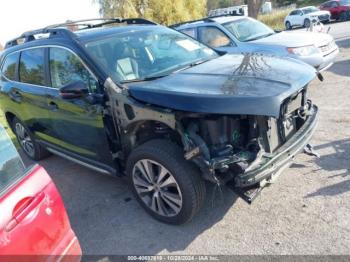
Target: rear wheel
x,y
27,141
288,26
167,186
307,23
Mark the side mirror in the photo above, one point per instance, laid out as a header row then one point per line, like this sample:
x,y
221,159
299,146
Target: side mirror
x,y
74,89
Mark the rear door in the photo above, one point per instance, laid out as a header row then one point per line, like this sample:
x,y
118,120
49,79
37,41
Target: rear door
x,y
33,220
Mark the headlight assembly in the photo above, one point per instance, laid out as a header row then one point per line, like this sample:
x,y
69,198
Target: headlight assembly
x,y
303,51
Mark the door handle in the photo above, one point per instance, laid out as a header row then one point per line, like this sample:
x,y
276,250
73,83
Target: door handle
x,y
15,95
53,106
25,210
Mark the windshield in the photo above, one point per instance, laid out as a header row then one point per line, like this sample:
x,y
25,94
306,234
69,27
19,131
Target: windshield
x,y
248,29
310,10
148,53
344,2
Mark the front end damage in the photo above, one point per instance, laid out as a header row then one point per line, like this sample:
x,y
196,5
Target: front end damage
x,y
247,152
243,152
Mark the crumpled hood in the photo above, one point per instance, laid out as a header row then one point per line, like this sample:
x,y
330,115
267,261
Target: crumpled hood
x,y
232,84
296,39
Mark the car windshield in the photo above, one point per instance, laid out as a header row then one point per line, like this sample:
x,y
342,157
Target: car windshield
x,y
248,29
310,10
141,55
344,2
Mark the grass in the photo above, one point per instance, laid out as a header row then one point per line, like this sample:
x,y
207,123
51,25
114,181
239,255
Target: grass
x,y
275,19
302,3
3,122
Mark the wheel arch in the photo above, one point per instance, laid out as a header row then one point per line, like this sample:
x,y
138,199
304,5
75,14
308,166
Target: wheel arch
x,y
9,118
142,131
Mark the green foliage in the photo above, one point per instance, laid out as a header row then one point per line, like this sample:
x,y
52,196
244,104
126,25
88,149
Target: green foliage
x,y
276,19
164,12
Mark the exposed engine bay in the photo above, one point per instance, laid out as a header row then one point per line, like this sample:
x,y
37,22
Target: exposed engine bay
x,y
227,146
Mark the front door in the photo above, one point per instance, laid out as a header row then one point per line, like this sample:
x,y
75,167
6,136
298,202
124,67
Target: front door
x,y
76,123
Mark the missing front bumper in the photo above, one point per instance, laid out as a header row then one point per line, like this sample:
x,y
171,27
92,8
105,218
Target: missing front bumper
x,y
274,163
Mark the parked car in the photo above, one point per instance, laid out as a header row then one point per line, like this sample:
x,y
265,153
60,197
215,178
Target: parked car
x,y
304,17
236,34
339,9
148,102
33,220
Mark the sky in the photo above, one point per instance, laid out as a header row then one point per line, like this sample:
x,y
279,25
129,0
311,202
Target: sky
x,y
18,16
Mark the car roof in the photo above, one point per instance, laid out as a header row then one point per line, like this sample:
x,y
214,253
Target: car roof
x,y
208,20
225,19
87,35
61,34
307,7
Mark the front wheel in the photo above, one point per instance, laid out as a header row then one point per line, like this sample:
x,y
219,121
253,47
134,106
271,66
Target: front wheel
x,y
343,16
167,186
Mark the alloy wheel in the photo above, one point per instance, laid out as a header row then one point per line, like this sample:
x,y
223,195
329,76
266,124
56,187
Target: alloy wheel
x,y
157,188
24,139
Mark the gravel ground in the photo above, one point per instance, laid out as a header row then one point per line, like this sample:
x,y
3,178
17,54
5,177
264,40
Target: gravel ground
x,y
306,212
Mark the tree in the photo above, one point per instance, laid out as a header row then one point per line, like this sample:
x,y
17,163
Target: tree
x,y
254,7
164,11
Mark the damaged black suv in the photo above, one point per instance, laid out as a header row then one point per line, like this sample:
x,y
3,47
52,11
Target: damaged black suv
x,y
145,101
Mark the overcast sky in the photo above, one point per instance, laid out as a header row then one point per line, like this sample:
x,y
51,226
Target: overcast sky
x,y
18,16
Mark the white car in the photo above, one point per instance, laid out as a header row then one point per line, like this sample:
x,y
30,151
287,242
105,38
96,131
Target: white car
x,y
304,16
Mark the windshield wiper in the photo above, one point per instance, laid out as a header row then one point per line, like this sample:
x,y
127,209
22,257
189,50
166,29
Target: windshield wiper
x,y
258,37
192,65
148,78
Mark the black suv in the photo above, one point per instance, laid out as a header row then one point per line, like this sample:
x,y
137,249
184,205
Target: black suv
x,y
148,102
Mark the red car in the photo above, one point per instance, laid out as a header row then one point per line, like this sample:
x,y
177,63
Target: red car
x,y
340,9
33,219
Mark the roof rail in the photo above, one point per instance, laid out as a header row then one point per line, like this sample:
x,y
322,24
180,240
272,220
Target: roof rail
x,y
30,35
105,21
205,19
59,30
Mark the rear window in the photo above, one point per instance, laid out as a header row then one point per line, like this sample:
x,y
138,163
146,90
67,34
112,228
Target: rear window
x,y
31,67
11,165
9,67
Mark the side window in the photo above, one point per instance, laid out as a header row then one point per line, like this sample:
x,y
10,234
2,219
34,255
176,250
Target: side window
x,y
213,37
190,32
334,4
11,165
294,12
66,67
9,66
31,67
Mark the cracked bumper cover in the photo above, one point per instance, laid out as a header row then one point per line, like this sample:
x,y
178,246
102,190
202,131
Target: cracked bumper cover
x,y
271,164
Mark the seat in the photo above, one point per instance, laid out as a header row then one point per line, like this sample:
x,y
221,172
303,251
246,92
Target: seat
x,y
126,66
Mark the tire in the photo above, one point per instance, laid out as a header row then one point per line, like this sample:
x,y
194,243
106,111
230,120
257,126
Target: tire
x,y
343,16
27,141
307,23
288,26
187,187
